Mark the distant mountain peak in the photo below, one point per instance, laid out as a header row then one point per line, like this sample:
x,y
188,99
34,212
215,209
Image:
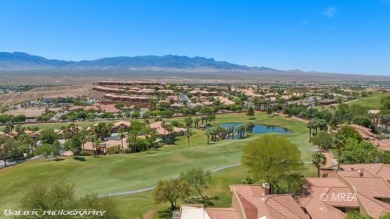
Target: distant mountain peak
x,y
16,60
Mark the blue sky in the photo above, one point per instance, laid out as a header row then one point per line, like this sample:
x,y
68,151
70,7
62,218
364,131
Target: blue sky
x,y
346,36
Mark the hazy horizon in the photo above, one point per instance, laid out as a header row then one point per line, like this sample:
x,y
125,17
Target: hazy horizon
x,y
321,36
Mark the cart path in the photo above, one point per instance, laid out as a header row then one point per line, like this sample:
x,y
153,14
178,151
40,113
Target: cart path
x,y
131,192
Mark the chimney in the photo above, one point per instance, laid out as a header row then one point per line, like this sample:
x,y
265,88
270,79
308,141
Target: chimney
x,y
267,187
361,172
305,188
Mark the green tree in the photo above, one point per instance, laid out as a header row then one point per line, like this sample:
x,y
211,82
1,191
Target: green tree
x,y
318,159
250,126
271,157
341,138
122,135
362,120
322,140
188,121
198,180
348,132
56,149
171,191
62,196
385,157
188,135
363,152
250,112
357,215
48,136
310,125
9,148
119,106
385,216
45,150
135,115
340,144
75,144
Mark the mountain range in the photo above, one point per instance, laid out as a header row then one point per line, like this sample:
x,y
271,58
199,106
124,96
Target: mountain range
x,y
19,60
18,67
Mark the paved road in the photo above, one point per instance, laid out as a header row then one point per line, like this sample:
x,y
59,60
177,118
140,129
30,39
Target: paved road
x,y
130,192
11,163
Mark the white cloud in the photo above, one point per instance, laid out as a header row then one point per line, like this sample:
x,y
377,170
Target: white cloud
x,y
330,12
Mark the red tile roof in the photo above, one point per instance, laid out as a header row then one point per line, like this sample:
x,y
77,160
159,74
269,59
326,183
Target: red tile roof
x,y
324,197
379,169
255,204
222,213
370,189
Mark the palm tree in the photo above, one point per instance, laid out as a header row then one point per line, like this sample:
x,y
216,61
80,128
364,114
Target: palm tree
x,y
163,125
231,132
250,126
188,135
131,140
188,121
121,135
208,133
170,129
318,159
95,144
241,131
196,122
202,118
83,138
310,126
339,143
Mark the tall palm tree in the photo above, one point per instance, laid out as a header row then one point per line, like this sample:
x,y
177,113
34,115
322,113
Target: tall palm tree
x,y
310,126
170,129
339,143
318,159
196,122
188,121
208,134
249,126
188,135
95,143
164,125
122,135
83,138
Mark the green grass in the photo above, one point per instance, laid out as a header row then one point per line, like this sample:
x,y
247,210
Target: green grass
x,y
55,125
142,205
124,172
372,101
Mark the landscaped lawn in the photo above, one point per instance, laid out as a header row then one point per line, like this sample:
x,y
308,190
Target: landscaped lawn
x,y
125,172
373,101
142,205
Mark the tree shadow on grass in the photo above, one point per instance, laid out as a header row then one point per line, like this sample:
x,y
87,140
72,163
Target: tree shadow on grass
x,y
165,214
207,202
151,151
57,160
79,159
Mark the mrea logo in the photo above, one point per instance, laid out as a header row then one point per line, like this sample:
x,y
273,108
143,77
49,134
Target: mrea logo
x,y
339,197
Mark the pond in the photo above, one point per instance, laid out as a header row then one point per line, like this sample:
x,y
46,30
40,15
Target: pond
x,y
259,129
